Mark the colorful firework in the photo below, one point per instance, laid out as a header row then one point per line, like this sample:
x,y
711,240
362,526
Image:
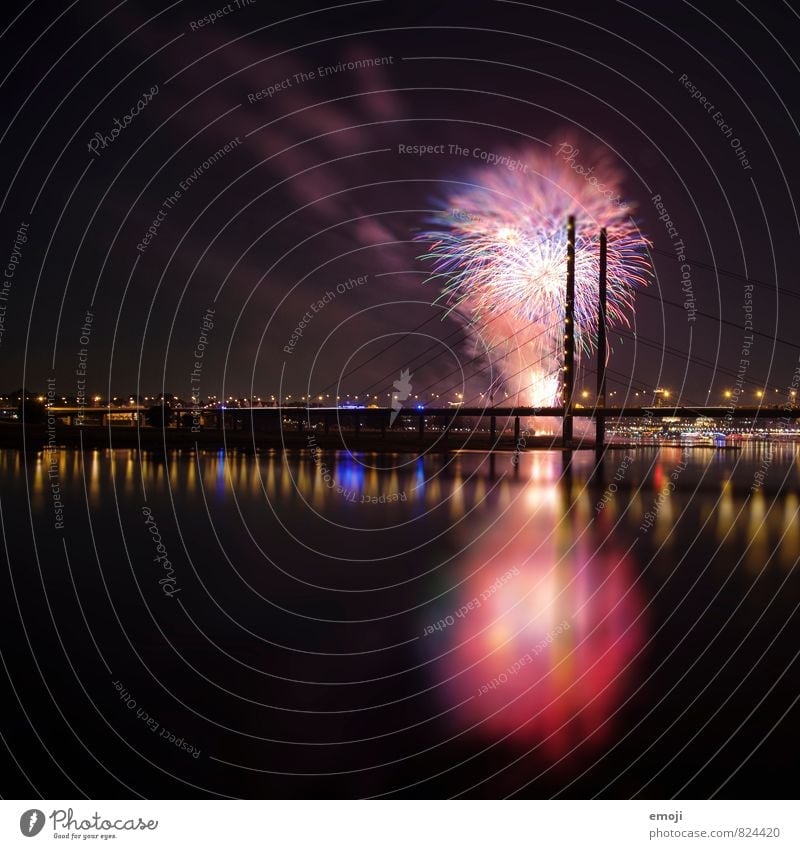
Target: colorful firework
x,y
499,251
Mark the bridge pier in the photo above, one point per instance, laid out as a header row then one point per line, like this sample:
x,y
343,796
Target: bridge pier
x,y
569,336
600,416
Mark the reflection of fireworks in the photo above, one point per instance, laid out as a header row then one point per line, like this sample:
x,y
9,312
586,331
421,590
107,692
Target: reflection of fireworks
x,y
500,251
545,658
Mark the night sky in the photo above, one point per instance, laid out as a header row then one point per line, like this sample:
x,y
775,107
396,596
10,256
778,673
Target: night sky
x,y
313,190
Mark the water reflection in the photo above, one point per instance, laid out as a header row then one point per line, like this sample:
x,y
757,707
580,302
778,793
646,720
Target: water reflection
x,y
545,625
716,489
493,603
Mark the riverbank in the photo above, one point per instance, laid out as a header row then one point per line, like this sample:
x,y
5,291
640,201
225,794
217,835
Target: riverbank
x,y
36,437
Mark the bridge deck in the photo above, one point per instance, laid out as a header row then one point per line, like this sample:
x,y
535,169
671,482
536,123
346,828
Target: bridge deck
x,y
771,412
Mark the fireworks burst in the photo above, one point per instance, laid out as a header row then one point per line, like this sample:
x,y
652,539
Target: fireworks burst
x,y
499,249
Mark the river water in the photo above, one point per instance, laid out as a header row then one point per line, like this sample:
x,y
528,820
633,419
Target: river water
x,y
336,625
